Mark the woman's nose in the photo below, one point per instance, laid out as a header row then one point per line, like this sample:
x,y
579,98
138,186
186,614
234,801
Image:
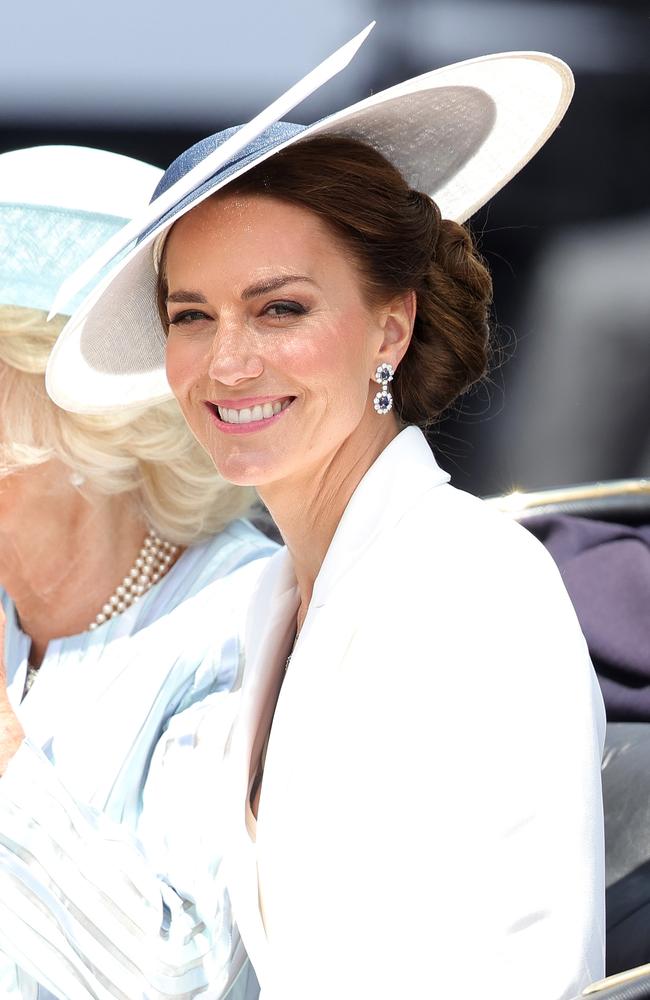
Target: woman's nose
x,y
233,355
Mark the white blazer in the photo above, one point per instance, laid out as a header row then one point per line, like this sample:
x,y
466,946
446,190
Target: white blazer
x,y
430,823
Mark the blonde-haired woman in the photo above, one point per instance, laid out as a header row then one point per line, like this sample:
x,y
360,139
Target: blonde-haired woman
x,y
111,529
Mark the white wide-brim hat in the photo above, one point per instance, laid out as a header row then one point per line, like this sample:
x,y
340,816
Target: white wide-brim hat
x,y
458,133
58,205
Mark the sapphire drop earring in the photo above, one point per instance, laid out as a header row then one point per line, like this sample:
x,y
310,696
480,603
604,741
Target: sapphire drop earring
x,y
383,401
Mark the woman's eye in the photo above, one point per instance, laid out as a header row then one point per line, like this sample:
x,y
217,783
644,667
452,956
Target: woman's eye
x,y
279,309
186,317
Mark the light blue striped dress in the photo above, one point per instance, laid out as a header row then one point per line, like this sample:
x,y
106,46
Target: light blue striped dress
x,y
84,909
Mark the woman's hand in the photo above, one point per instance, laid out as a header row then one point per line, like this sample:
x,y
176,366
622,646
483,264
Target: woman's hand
x,y
11,731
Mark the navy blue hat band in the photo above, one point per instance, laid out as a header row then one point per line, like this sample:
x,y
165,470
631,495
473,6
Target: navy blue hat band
x,y
266,142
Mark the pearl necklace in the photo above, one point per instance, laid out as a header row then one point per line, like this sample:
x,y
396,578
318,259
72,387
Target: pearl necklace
x,y
153,561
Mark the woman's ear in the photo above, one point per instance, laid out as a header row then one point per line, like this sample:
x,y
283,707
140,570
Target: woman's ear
x,y
397,319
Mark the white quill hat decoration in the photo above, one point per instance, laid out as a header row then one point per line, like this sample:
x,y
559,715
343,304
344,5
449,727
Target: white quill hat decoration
x,y
280,107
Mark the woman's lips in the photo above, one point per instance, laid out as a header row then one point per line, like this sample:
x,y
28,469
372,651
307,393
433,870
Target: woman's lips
x,y
254,416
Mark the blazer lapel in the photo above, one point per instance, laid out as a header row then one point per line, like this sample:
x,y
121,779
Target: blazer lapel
x,y
404,471
269,632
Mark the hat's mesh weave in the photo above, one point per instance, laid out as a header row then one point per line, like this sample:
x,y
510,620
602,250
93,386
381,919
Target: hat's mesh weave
x,y
432,137
128,339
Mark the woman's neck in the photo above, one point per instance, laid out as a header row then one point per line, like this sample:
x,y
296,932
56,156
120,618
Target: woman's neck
x,y
307,508
61,554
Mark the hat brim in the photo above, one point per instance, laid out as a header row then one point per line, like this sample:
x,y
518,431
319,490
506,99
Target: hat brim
x,y
459,133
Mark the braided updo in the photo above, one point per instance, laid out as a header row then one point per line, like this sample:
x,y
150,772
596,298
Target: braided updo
x,y
399,242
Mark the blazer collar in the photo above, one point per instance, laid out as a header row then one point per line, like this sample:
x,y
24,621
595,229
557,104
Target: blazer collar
x,y
404,471
271,619
269,633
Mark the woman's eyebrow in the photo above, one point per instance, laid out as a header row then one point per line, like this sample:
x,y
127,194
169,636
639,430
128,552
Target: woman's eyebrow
x,y
184,296
272,285
250,292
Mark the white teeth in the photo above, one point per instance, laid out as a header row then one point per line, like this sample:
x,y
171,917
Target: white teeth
x,y
246,415
228,416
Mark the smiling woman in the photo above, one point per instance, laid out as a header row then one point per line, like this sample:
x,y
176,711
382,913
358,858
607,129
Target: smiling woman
x,y
348,275
406,792
303,351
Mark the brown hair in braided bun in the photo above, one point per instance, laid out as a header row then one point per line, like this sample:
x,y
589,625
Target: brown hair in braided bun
x,y
449,349
399,242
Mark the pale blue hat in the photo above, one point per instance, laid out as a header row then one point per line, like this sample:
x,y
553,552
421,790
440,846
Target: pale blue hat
x,y
58,204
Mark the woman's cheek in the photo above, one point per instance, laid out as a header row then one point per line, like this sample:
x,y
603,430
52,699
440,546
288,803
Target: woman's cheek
x,y
182,364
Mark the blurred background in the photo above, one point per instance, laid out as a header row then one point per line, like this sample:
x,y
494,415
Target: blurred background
x,y
568,241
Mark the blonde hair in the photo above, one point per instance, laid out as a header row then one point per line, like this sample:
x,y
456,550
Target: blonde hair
x,y
149,452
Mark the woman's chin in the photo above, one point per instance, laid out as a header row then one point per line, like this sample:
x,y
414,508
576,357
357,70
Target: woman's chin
x,y
246,470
